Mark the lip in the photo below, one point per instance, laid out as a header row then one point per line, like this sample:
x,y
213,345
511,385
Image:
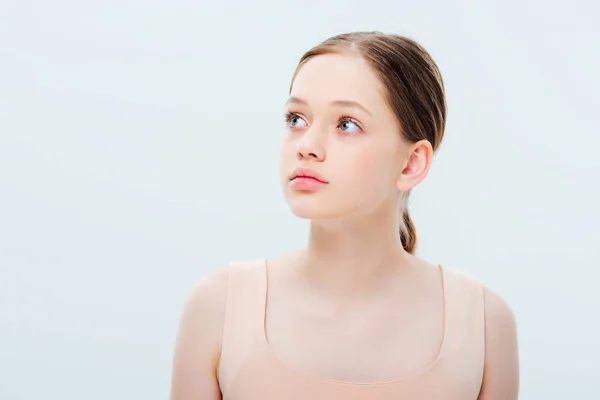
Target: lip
x,y
307,173
306,179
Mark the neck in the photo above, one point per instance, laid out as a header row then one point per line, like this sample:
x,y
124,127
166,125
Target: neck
x,y
348,257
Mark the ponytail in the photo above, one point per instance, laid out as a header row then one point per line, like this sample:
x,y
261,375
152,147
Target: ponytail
x,y
408,233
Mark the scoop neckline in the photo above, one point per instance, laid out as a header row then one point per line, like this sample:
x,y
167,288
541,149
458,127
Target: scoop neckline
x,y
307,375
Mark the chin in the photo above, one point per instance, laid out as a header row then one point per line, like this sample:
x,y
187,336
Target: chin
x,y
310,206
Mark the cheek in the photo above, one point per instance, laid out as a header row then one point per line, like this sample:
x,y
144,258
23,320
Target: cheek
x,y
370,172
287,158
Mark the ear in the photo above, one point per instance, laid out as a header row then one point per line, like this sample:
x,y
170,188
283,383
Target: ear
x,y
418,157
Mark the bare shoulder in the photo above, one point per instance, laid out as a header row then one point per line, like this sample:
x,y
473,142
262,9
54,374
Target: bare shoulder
x,y
209,293
204,307
501,366
498,313
199,339
500,323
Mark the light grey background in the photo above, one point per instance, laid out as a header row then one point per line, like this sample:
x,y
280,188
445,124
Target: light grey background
x,y
139,151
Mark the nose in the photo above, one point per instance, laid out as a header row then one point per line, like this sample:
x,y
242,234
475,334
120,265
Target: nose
x,y
311,146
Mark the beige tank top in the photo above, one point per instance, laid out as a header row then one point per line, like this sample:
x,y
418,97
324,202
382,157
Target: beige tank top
x,y
249,370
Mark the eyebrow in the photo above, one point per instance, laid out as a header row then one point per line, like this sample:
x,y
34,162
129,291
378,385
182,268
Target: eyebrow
x,y
339,103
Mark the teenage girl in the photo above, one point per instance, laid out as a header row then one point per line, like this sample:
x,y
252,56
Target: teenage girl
x,y
355,314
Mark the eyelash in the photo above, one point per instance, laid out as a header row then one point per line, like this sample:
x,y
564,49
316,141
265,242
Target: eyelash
x,y
344,118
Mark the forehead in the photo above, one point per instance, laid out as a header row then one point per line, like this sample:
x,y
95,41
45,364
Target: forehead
x,y
331,77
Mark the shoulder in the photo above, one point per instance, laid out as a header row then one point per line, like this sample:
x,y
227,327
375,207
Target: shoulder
x,y
199,338
501,360
501,364
208,296
500,327
204,307
499,319
500,324
210,292
203,314
498,313
212,289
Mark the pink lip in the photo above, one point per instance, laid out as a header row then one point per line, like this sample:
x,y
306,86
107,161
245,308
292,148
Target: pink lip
x,y
306,179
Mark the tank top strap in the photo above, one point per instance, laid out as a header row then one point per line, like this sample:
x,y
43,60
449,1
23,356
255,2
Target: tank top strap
x,y
244,308
465,324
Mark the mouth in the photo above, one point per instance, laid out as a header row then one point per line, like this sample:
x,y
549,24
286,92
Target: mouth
x,y
307,174
306,180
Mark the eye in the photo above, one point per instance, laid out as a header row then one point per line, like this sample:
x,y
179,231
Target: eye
x,y
294,120
348,126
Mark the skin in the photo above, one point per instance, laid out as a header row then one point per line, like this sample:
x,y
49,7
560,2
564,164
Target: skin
x,y
353,276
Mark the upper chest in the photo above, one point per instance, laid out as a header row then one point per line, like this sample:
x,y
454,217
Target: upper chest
x,y
374,339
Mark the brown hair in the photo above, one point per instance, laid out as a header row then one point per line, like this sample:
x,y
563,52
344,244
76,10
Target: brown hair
x,y
414,90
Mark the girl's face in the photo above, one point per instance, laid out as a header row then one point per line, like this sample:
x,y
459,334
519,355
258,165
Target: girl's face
x,y
340,127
